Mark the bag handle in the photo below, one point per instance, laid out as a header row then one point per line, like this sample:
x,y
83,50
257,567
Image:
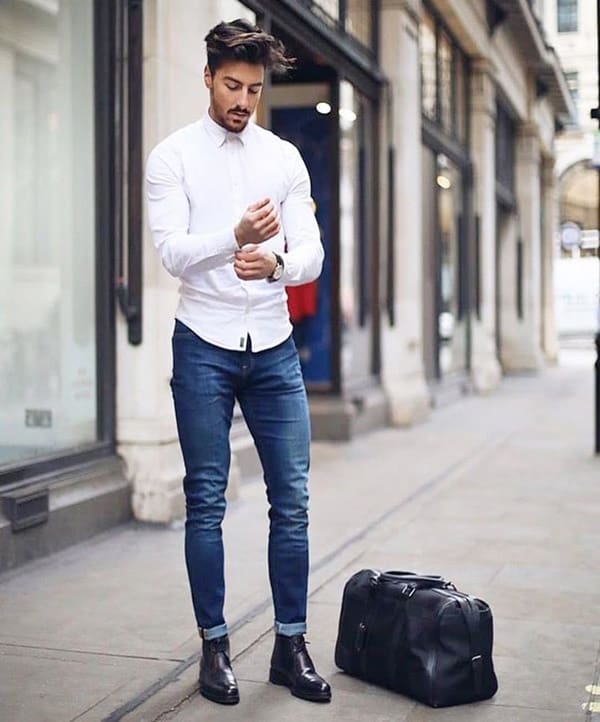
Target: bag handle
x,y
418,581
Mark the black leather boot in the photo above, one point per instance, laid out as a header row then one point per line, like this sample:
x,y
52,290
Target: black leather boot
x,y
217,682
291,666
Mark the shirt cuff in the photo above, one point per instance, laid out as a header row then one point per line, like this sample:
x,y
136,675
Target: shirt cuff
x,y
220,243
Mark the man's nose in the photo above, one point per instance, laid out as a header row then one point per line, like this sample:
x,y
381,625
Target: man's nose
x,y
243,98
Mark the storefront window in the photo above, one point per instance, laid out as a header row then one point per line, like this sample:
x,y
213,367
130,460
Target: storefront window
x,y
428,68
47,206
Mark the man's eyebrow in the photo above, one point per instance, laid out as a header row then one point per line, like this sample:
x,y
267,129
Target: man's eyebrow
x,y
235,80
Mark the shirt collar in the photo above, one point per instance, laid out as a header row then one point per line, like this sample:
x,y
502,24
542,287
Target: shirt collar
x,y
219,134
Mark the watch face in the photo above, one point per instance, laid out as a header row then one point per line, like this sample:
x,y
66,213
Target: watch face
x,y
278,272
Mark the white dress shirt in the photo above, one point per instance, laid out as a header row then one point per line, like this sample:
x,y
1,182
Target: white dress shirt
x,y
199,182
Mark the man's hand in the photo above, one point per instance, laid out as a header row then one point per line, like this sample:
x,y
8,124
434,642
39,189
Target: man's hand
x,y
252,262
259,223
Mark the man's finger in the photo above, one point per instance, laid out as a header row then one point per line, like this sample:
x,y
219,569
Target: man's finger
x,y
263,213
271,230
267,221
258,204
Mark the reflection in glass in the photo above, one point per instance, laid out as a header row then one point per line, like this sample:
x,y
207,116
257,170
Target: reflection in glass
x,y
359,19
47,319
355,119
451,328
446,89
349,217
331,8
428,67
460,95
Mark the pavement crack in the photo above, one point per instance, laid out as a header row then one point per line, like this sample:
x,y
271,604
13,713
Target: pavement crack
x,y
92,653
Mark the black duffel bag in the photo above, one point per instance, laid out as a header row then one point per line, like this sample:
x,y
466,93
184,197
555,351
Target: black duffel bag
x,y
417,635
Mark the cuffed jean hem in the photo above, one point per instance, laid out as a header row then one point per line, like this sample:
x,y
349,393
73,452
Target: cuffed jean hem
x,y
289,630
213,632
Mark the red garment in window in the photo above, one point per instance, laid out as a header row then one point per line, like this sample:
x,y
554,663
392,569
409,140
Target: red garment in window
x,y
302,301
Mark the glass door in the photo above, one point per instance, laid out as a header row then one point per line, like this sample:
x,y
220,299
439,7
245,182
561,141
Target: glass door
x,y
301,113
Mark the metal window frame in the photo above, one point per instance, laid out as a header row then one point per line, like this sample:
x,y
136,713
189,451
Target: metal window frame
x,y
128,214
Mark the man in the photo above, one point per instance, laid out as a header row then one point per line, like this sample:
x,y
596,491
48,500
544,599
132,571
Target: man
x,y
230,212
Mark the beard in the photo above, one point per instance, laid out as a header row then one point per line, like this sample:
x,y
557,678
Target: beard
x,y
234,119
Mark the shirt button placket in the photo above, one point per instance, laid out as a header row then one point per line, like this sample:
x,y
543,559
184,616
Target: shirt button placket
x,y
234,161
235,176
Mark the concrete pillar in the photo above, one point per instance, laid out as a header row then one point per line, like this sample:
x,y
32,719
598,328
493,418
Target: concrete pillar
x,y
486,371
174,95
522,339
549,226
402,344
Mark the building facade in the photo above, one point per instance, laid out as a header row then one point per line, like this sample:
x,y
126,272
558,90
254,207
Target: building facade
x,y
571,28
428,130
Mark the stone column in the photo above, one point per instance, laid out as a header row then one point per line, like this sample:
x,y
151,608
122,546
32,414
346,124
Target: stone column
x,y
402,344
486,371
550,223
521,339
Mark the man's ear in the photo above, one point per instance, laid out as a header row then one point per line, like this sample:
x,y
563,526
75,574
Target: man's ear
x,y
208,78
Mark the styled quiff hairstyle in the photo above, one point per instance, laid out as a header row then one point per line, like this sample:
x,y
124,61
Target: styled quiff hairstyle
x,y
239,40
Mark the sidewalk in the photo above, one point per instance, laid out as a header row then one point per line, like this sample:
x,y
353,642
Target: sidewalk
x,y
500,494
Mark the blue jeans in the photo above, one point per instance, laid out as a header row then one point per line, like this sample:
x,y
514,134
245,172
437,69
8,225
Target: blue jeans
x,y
270,390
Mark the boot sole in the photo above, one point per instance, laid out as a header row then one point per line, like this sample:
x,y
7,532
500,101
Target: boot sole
x,y
281,680
214,697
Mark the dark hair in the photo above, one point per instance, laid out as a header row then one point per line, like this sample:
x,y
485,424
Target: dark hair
x,y
242,41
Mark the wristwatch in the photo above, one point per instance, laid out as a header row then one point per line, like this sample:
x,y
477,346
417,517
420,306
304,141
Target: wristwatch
x,y
278,270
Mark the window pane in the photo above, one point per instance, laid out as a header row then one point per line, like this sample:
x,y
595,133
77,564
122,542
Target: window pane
x,y
328,10
428,68
451,327
566,11
446,90
460,95
47,206
359,21
572,79
355,139
505,148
